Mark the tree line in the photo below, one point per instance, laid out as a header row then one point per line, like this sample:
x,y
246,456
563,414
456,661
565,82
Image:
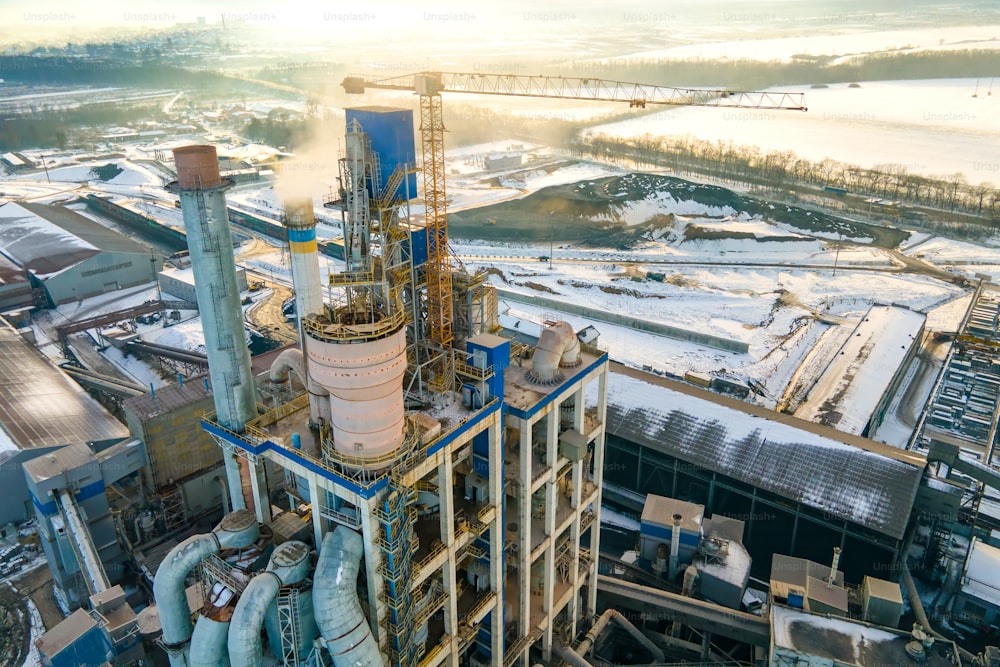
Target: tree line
x,y
778,170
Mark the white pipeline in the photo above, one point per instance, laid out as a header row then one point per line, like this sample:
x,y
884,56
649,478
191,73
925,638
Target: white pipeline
x,y
293,361
236,530
289,564
342,624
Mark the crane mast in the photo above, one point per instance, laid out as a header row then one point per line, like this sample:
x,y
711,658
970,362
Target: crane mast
x,y
430,85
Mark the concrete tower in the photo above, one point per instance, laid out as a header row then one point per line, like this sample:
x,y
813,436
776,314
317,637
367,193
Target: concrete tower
x,y
210,243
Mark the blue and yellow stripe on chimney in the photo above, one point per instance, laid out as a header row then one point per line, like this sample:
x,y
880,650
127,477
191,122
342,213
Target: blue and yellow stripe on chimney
x,y
302,241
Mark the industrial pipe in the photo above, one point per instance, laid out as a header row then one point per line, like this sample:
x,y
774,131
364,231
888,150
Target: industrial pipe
x,y
293,361
675,546
557,346
289,564
208,643
236,530
342,625
601,624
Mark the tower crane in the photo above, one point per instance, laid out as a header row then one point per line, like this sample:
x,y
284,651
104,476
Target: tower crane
x,y
430,85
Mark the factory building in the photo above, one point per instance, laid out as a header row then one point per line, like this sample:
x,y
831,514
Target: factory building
x,y
471,513
41,411
69,256
977,602
15,286
180,282
801,488
183,460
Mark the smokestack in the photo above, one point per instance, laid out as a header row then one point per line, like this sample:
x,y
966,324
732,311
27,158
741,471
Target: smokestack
x,y
675,546
210,243
301,226
833,568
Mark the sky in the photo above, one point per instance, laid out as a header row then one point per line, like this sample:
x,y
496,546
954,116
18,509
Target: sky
x,y
463,22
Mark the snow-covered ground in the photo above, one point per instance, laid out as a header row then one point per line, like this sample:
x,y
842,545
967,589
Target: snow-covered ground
x,y
860,36
929,127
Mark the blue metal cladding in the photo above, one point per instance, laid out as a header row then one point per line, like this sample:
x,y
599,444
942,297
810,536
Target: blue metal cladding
x,y
93,647
390,131
417,241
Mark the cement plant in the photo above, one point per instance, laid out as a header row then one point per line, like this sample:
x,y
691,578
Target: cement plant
x,y
295,371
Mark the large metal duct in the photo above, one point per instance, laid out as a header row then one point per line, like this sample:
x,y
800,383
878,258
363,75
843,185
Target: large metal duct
x,y
301,224
365,381
293,361
208,643
557,347
289,564
342,624
237,530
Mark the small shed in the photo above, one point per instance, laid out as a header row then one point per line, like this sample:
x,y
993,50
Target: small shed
x,y
882,602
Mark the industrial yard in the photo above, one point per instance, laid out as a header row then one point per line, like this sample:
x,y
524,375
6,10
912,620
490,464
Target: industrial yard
x,y
306,362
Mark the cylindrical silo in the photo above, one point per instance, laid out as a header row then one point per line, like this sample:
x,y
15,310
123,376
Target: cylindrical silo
x,y
210,243
365,382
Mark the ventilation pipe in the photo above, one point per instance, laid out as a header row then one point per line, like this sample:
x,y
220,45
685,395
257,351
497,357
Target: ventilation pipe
x,y
289,564
675,545
293,361
690,580
833,568
236,530
576,657
342,624
557,346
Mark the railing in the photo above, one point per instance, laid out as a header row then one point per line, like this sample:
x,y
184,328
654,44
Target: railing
x,y
275,415
346,278
431,656
520,644
481,605
334,331
426,560
218,569
471,371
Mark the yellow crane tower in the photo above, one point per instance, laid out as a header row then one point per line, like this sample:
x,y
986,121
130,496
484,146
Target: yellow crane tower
x,y
429,86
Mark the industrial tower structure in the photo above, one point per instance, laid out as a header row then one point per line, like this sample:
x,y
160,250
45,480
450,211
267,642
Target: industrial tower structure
x,y
461,470
472,515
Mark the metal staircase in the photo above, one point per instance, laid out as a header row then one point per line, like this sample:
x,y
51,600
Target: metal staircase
x,y
398,543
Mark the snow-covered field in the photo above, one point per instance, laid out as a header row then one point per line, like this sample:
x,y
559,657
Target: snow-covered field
x,y
859,36
929,127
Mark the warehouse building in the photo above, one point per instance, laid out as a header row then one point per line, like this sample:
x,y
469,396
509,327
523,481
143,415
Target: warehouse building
x,y
15,286
801,488
69,256
41,410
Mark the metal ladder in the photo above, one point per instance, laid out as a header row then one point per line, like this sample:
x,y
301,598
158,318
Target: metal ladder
x,y
289,624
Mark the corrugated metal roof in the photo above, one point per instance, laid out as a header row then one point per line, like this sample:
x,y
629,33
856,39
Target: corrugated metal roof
x,y
37,244
11,273
768,450
167,399
86,229
40,406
